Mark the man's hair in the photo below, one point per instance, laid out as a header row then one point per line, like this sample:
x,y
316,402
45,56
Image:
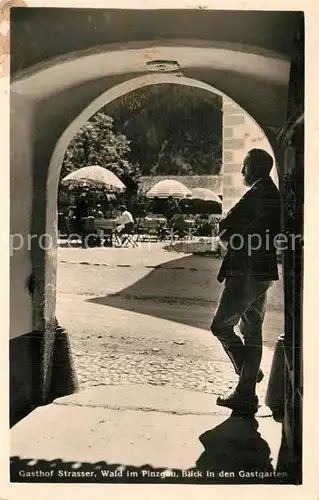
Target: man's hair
x,y
262,161
123,207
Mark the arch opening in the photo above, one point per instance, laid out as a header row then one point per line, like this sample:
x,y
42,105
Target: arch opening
x,y
111,95
108,96
61,147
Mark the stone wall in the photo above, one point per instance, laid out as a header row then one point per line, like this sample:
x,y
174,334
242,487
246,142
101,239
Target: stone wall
x,y
240,134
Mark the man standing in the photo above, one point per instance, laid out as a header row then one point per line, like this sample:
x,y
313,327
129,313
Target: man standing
x,y
248,269
81,215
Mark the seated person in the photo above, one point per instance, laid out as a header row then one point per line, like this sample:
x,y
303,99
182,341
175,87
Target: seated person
x,y
109,213
125,221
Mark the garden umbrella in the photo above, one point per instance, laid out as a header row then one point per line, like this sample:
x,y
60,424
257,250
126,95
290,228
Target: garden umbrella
x,y
169,189
96,177
205,194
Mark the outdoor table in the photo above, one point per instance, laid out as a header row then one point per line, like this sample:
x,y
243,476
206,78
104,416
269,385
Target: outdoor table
x,y
106,228
158,219
190,226
155,221
182,227
154,226
105,224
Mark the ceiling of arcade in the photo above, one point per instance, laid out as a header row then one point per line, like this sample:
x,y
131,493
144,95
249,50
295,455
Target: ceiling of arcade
x,y
245,55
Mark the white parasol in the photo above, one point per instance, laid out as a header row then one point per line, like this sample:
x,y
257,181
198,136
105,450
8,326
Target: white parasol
x,y
169,188
95,176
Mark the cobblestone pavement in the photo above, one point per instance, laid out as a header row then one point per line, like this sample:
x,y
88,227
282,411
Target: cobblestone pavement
x,y
167,353
155,370
212,377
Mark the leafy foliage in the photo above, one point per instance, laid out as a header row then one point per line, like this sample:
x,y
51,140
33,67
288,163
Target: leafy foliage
x,y
97,143
163,129
173,129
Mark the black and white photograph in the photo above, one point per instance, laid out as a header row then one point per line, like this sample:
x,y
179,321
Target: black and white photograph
x,y
156,244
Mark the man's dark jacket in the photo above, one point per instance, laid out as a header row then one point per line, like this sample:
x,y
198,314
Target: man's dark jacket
x,y
82,209
256,213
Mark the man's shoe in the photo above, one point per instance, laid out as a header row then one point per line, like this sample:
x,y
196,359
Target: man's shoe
x,y
239,402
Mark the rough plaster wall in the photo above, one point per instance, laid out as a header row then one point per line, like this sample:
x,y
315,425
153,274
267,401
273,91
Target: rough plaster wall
x,y
21,164
52,117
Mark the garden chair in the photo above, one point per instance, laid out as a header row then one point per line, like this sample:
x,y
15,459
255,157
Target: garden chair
x,y
140,229
128,236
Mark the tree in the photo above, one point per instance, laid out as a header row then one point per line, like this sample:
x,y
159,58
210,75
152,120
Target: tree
x,y
97,143
174,129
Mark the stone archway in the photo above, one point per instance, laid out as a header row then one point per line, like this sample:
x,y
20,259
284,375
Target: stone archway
x,y
42,115
46,98
235,145
47,300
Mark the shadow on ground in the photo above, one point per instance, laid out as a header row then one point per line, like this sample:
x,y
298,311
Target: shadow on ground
x,y
167,290
234,453
235,446
186,291
166,309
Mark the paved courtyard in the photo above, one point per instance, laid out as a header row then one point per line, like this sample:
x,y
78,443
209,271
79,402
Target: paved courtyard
x,y
142,316
149,371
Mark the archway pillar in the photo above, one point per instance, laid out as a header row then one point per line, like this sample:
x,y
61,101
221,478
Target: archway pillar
x,y
240,134
233,144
